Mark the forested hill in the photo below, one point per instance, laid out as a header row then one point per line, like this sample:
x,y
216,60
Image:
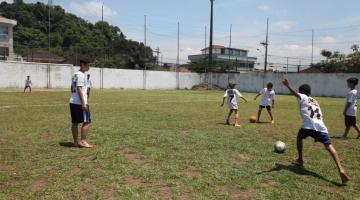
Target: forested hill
x,y
72,36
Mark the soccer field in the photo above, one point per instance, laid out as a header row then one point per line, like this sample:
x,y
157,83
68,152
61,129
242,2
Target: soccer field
x,y
166,145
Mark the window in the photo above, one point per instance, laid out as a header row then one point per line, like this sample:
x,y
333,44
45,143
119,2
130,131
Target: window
x,y
222,51
4,32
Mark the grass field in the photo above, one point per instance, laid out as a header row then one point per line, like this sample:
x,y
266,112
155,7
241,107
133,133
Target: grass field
x,y
165,145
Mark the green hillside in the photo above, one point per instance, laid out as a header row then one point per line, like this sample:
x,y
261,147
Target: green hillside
x,y
72,36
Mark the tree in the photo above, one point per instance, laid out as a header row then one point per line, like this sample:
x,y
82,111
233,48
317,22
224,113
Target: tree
x,y
326,54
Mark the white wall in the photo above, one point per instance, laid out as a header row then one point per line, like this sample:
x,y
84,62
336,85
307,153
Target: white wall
x,y
13,75
333,85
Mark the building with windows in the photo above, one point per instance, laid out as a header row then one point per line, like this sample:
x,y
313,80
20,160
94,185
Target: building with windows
x,y
234,60
6,38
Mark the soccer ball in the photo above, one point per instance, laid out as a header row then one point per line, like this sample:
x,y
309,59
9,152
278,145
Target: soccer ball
x,y
279,147
252,119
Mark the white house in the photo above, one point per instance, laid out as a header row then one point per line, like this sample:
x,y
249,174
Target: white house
x,y
6,38
238,58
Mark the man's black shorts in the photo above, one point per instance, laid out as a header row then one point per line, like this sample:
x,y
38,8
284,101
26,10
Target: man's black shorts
x,y
350,120
78,115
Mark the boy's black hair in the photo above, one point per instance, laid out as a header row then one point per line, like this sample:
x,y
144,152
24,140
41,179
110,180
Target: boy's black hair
x,y
270,84
83,62
305,89
353,81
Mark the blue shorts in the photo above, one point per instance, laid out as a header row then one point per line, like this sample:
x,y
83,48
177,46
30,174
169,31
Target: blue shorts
x,y
318,136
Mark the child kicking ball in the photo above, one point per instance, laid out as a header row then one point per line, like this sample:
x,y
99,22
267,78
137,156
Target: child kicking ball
x,y
313,126
231,95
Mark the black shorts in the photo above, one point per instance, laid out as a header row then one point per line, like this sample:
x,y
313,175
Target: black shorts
x,y
267,107
78,115
318,136
350,120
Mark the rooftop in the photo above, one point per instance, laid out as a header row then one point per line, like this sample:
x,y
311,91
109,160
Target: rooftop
x,y
5,20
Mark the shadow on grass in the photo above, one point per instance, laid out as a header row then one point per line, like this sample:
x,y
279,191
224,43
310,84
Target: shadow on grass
x,y
67,144
262,123
300,171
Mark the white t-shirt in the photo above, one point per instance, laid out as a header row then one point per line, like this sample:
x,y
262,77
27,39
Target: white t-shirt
x,y
28,83
266,97
79,80
232,95
311,113
351,97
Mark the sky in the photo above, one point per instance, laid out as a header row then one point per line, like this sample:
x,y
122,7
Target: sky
x,y
336,25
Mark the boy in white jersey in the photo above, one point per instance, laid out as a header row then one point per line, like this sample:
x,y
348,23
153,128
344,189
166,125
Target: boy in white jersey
x,y
232,94
28,84
267,101
313,126
79,107
351,108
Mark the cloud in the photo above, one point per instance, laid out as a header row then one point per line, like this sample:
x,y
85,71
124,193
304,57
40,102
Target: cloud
x,y
285,25
328,40
264,8
91,8
7,1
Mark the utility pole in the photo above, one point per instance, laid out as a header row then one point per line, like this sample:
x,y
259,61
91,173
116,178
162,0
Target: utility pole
x,y
50,2
266,44
299,66
205,38
230,42
287,65
178,47
145,41
211,35
312,47
157,51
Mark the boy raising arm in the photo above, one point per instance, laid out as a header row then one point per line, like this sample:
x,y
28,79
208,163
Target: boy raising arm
x,y
313,126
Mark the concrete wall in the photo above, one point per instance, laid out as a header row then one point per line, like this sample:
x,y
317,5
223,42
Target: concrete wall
x,y
333,85
13,75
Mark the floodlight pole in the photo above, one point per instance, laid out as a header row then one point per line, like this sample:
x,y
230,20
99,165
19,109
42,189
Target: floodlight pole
x,y
49,37
266,44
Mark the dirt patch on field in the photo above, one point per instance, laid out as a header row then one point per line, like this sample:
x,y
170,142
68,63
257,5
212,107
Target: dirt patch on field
x,y
329,189
164,192
191,172
111,194
242,158
75,170
137,159
268,184
3,168
39,184
133,181
186,195
237,194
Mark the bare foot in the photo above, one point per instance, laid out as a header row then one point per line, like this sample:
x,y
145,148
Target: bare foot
x,y
344,177
237,125
297,162
272,121
344,137
84,144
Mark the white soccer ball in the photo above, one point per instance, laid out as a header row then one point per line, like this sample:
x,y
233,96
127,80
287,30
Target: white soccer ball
x,y
279,147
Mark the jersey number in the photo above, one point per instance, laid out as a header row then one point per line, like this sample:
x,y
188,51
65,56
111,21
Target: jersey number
x,y
231,97
314,113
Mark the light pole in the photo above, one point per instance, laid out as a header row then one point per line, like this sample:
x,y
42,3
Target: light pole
x,y
50,2
266,44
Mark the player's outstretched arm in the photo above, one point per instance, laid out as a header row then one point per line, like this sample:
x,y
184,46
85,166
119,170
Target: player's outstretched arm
x,y
244,99
257,96
292,91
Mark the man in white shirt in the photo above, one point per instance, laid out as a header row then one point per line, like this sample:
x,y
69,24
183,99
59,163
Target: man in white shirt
x,y
28,84
313,126
79,107
351,108
267,101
